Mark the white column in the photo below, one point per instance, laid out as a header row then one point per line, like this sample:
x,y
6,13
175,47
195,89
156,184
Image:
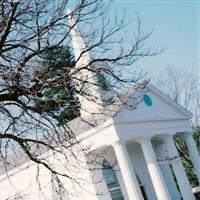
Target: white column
x,y
193,152
129,177
154,169
178,168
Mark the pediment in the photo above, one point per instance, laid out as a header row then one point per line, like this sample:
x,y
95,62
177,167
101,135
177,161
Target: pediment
x,y
155,106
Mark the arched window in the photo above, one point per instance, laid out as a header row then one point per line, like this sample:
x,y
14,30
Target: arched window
x,y
112,181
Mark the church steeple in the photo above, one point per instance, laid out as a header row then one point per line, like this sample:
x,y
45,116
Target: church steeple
x,y
90,97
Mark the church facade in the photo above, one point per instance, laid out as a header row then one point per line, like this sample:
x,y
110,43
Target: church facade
x,y
140,141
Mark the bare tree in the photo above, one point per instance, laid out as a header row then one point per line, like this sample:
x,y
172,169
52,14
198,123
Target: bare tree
x,y
31,29
183,88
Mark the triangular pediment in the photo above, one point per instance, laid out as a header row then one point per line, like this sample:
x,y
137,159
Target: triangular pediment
x,y
157,106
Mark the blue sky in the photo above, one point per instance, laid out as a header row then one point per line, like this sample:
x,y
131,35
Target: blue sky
x,y
176,27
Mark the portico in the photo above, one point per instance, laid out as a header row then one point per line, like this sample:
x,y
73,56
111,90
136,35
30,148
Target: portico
x,y
145,144
152,173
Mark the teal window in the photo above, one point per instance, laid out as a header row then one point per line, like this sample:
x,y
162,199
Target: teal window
x,y
147,100
112,181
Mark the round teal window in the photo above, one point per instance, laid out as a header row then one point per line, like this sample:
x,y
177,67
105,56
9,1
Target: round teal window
x,y
147,100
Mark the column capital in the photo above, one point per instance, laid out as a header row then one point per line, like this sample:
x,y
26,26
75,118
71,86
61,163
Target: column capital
x,y
144,139
167,136
122,142
187,134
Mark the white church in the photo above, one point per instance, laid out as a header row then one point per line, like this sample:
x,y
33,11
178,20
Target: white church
x,y
139,140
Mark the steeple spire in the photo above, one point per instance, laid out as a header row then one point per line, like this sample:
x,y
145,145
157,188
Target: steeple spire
x,y
77,41
86,82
